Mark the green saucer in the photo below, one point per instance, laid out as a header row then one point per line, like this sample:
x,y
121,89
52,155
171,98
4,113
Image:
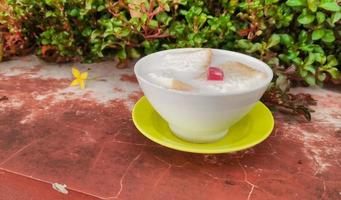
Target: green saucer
x,y
255,127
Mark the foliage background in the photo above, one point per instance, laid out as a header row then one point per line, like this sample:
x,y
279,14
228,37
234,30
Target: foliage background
x,y
299,39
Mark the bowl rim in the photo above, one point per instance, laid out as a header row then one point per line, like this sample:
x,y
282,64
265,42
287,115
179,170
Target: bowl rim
x,y
265,68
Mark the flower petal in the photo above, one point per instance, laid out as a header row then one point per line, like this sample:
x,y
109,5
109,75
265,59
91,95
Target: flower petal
x,y
82,84
84,75
75,72
74,82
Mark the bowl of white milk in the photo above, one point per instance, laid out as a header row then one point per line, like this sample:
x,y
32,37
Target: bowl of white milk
x,y
202,92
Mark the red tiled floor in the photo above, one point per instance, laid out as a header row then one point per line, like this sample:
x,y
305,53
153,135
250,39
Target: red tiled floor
x,y
86,140
14,186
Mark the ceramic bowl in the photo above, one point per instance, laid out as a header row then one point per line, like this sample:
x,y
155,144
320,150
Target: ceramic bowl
x,y
201,118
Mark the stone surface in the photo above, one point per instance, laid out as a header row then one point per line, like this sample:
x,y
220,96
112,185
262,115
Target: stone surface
x,y
53,133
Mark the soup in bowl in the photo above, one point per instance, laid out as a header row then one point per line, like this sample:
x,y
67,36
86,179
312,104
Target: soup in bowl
x,y
202,92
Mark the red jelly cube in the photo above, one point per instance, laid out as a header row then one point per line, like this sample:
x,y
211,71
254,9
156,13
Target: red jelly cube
x,y
215,74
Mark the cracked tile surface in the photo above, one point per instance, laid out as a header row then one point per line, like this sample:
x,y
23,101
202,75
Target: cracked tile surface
x,y
53,133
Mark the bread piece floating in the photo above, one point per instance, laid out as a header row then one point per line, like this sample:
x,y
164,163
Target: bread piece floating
x,y
194,61
166,80
179,85
234,68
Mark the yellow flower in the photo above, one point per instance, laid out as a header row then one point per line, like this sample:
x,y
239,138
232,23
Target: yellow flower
x,y
80,78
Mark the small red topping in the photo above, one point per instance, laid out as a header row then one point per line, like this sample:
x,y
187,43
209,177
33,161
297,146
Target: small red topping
x,y
215,74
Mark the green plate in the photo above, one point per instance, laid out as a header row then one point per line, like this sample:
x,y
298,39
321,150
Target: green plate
x,y
255,127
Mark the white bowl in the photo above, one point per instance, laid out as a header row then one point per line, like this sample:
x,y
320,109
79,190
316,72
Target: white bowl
x,y
201,118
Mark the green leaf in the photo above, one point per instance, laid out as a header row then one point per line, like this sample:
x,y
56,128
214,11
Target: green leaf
x,y
273,61
202,19
286,39
330,6
74,12
320,17
153,23
310,79
182,2
95,34
255,47
100,8
273,40
284,58
88,4
166,7
317,34
312,5
293,53
198,40
49,2
318,49
164,18
328,36
295,3
303,73
297,61
116,30
133,53
335,17
332,61
87,32
50,14
319,57
125,32
309,60
305,18
244,44
122,55
45,41
307,47
334,72
146,44
144,18
310,69
303,36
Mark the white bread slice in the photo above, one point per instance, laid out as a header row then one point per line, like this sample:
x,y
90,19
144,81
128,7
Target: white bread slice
x,y
163,79
169,82
190,60
240,69
179,85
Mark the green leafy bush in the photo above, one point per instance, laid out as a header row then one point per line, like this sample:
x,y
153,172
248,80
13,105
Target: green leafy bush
x,y
299,39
